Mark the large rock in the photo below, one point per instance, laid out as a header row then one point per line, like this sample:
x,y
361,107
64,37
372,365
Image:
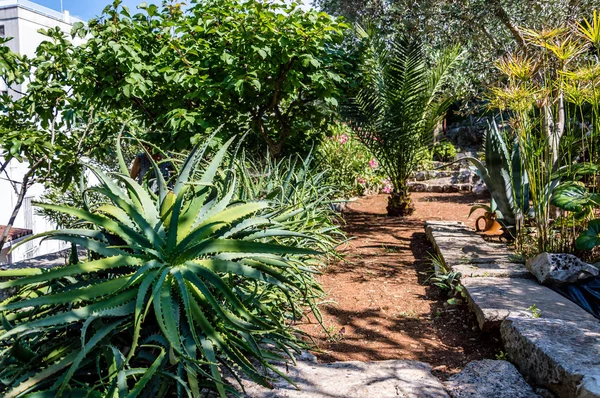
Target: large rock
x,y
559,355
489,378
480,188
559,269
382,379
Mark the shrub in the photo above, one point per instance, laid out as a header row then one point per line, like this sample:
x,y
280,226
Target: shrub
x,y
351,165
444,151
303,193
185,282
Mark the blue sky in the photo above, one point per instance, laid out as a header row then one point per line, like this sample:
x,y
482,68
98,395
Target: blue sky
x,y
86,9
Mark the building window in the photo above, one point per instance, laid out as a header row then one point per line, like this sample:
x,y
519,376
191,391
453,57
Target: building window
x,y
1,30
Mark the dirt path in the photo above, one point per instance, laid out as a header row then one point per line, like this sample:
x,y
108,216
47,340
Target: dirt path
x,y
380,305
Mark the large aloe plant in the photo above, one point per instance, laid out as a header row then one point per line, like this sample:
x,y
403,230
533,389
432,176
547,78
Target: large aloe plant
x,y
184,283
505,177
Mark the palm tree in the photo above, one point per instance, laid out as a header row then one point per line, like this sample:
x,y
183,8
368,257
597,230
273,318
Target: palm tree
x,y
398,105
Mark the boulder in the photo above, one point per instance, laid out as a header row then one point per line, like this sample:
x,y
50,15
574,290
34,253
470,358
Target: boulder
x,y
380,379
480,188
558,355
489,378
464,176
558,269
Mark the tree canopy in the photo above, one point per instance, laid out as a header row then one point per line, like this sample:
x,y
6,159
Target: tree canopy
x,y
267,66
486,29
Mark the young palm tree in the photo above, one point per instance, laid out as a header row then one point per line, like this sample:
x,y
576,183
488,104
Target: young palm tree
x,y
398,105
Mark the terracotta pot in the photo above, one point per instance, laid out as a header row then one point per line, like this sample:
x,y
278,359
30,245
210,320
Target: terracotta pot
x,y
491,227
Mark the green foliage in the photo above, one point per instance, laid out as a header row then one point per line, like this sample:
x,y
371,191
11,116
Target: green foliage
x,y
399,103
184,282
447,280
504,175
590,237
351,166
443,151
268,65
535,311
41,126
486,29
301,189
549,93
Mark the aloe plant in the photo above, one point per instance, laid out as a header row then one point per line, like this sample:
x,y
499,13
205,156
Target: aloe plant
x,y
301,189
184,283
504,176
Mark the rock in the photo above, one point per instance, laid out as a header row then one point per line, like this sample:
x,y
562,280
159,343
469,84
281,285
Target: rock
x,y
421,176
489,378
382,379
495,299
464,176
480,189
561,356
559,269
417,187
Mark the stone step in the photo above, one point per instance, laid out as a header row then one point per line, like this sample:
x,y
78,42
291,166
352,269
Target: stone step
x,y
557,345
495,299
464,251
488,378
382,379
439,185
463,175
559,355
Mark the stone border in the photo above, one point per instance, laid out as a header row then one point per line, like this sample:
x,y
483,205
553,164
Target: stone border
x,y
553,341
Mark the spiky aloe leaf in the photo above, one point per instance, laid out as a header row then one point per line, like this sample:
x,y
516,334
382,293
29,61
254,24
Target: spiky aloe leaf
x,y
194,279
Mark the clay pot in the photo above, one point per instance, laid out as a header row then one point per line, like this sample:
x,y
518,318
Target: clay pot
x,y
491,227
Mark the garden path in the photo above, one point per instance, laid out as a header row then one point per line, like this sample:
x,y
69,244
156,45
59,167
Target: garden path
x,y
379,303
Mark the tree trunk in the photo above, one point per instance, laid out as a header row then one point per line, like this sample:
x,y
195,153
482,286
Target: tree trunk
x,y
13,216
504,18
399,203
22,193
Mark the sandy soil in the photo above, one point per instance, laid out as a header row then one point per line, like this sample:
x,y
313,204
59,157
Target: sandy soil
x,y
380,304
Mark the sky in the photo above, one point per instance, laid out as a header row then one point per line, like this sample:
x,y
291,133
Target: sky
x,y
86,9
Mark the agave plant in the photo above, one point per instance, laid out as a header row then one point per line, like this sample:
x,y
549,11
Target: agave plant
x,y
184,283
399,103
504,176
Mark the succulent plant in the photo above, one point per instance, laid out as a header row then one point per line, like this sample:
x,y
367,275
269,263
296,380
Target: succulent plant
x,y
182,284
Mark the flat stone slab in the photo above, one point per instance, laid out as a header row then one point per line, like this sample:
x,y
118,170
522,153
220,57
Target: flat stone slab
x,y
382,379
496,270
463,250
489,378
559,355
495,299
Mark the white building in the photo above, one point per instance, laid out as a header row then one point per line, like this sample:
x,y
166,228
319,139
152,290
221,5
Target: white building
x,y
22,20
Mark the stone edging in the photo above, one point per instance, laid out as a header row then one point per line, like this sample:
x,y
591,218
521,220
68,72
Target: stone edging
x,y
556,345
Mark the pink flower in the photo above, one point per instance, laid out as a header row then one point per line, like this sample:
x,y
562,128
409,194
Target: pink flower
x,y
387,186
373,164
343,139
361,180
